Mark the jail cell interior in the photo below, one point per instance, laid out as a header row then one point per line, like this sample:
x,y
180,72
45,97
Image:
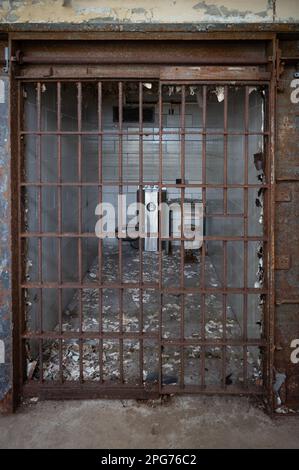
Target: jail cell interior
x,y
159,311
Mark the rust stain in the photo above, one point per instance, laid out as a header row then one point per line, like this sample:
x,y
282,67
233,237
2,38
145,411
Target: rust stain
x,y
6,404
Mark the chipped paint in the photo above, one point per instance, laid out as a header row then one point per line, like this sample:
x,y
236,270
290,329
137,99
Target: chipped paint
x,y
117,11
2,352
2,92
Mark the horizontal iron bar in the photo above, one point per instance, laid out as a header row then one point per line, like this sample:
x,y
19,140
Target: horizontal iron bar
x,y
165,290
145,183
70,390
104,60
142,77
88,335
75,390
93,235
212,390
287,301
141,133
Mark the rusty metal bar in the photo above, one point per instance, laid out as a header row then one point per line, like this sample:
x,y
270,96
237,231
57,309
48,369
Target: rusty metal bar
x,y
100,242
204,245
270,256
161,297
22,374
120,258
224,306
224,243
131,335
182,243
140,246
145,132
133,60
166,185
169,290
91,235
59,210
40,229
245,273
79,143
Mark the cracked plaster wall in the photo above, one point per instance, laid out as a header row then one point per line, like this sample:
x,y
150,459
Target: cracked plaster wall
x,y
159,11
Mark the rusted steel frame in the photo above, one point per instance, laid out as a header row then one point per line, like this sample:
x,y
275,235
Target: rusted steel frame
x,y
140,246
74,390
120,258
40,229
166,290
182,243
80,271
59,210
214,75
144,72
204,244
115,59
152,73
222,238
100,242
160,359
145,31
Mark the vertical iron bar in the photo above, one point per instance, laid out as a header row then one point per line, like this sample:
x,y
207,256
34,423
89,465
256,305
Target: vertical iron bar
x,y
224,304
203,248
120,260
59,209
270,218
79,143
159,237
40,227
100,242
140,239
225,147
224,296
182,243
21,303
245,297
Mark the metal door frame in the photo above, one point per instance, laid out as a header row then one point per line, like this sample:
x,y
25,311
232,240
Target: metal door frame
x,y
94,390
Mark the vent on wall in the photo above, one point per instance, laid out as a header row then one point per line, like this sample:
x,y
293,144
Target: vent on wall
x,y
131,114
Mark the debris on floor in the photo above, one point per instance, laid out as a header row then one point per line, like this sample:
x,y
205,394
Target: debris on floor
x,y
105,354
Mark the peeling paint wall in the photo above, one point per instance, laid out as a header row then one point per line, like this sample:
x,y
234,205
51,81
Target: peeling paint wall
x,y
157,11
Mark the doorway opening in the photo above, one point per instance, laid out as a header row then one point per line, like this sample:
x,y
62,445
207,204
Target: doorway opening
x,y
179,306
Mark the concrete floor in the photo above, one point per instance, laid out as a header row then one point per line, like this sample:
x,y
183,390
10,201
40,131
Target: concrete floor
x,y
182,422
